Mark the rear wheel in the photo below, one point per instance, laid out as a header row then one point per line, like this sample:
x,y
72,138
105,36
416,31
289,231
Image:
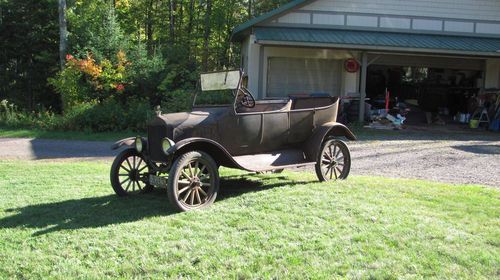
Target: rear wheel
x,y
193,182
129,174
334,161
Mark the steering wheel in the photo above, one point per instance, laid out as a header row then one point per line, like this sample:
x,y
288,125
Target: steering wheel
x,y
245,98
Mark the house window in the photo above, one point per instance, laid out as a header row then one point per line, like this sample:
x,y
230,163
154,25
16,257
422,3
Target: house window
x,y
291,76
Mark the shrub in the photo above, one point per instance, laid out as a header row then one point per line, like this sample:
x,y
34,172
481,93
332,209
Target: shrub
x,y
68,84
7,111
106,116
109,115
11,116
176,101
85,80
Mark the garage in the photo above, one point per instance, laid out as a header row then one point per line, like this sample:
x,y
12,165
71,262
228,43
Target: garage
x,y
414,65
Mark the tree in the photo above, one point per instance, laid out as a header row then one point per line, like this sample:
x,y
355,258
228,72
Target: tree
x,y
29,54
206,36
168,42
63,33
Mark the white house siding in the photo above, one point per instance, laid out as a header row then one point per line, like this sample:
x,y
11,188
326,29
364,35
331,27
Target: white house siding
x,y
327,19
488,28
298,18
457,26
251,63
457,9
480,17
391,22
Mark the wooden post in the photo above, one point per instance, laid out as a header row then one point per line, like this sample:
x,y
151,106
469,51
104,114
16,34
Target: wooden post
x,y
362,91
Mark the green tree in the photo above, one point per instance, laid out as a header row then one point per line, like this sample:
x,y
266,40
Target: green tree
x,y
29,52
166,43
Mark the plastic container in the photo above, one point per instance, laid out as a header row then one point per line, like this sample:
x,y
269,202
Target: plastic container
x,y
495,125
474,123
462,118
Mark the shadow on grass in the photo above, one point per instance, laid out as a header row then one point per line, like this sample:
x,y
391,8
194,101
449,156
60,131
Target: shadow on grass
x,y
102,211
238,185
64,149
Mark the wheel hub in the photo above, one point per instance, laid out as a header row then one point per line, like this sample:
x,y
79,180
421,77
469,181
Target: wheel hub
x,y
134,175
195,182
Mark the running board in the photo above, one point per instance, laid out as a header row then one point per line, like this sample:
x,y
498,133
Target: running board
x,y
271,161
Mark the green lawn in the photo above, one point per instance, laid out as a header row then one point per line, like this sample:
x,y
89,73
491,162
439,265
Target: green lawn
x,y
61,220
65,135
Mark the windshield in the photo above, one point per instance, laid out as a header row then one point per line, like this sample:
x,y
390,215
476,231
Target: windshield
x,y
220,81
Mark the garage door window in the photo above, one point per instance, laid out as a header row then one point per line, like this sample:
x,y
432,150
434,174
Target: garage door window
x,y
288,76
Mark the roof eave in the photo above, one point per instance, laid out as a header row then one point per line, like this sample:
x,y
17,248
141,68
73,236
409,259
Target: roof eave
x,y
379,48
241,30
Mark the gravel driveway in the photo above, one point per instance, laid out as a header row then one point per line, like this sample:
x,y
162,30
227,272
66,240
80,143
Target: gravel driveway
x,y
460,159
466,158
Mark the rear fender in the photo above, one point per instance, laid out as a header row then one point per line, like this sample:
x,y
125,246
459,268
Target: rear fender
x,y
313,144
124,142
221,156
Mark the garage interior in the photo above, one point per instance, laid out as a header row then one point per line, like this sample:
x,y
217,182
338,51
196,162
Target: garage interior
x,y
425,91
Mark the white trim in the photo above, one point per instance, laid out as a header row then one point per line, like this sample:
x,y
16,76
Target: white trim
x,y
421,24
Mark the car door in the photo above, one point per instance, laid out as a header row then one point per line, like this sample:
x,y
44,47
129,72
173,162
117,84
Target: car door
x,y
275,130
241,133
253,133
301,126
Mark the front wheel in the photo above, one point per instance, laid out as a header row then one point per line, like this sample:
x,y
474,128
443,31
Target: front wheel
x,y
129,174
193,182
334,161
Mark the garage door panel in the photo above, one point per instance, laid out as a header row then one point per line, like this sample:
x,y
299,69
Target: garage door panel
x,y
303,75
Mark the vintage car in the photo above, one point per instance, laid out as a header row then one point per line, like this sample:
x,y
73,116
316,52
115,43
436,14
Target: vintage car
x,y
183,151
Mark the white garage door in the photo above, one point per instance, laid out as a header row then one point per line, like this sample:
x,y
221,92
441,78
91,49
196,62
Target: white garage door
x,y
288,76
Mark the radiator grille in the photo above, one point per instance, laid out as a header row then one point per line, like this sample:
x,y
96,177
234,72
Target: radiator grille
x,y
155,136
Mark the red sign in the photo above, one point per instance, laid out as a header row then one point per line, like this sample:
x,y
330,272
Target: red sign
x,y
351,65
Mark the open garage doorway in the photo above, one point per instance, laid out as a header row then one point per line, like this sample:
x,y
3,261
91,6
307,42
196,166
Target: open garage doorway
x,y
434,90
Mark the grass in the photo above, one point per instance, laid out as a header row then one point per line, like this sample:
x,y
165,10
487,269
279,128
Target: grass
x,y
61,220
6,132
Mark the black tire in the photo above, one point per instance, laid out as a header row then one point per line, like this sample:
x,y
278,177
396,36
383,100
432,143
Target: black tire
x,y
193,181
129,174
334,161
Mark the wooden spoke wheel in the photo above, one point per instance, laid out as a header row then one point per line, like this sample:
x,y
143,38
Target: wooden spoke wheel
x,y
193,181
129,174
334,162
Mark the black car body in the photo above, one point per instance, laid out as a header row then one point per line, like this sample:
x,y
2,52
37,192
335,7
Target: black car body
x,y
250,135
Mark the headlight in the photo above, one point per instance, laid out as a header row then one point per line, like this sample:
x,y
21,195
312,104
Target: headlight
x,y
166,144
139,144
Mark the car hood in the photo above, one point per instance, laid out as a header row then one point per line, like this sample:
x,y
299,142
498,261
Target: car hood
x,y
202,123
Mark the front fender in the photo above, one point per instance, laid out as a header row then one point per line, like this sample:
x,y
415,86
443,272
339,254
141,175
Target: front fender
x,y
124,142
214,149
313,144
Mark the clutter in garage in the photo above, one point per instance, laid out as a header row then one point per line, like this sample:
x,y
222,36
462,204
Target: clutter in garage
x,y
421,96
